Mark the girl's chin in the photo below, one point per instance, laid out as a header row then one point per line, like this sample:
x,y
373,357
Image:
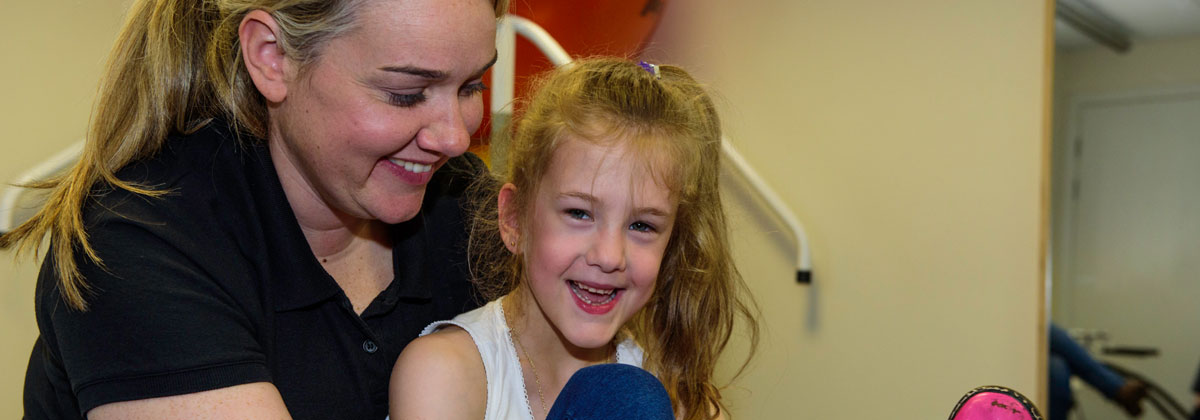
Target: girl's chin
x,y
594,341
594,345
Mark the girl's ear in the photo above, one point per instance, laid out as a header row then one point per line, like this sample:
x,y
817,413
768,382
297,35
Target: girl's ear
x,y
263,57
509,226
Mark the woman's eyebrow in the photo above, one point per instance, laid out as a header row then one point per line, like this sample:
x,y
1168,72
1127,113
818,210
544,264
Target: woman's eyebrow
x,y
437,74
416,71
484,69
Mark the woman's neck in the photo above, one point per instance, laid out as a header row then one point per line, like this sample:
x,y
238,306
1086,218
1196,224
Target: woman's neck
x,y
356,252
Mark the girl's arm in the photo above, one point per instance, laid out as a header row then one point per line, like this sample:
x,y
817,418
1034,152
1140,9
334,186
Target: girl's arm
x,y
439,376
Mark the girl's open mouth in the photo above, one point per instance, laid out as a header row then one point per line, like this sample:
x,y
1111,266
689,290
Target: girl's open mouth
x,y
594,300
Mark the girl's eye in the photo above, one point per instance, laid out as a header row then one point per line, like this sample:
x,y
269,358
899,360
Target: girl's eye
x,y
578,214
642,227
406,100
472,89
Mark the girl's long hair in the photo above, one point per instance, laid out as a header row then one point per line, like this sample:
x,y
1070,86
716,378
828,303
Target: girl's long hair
x,y
672,125
176,65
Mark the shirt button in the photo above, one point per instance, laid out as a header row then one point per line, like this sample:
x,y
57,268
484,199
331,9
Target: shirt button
x,y
369,346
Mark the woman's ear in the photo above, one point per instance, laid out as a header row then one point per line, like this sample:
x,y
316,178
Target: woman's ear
x,y
509,220
262,55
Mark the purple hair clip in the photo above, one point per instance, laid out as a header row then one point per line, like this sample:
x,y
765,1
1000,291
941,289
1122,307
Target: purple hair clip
x,y
652,68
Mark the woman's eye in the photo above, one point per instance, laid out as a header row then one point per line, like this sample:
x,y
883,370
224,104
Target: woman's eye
x,y
578,214
405,100
642,227
472,89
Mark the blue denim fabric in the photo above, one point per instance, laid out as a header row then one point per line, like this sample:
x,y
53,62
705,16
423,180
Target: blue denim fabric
x,y
1196,384
1061,399
612,391
1196,389
1069,358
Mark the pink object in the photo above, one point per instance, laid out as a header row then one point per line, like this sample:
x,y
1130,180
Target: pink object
x,y
994,403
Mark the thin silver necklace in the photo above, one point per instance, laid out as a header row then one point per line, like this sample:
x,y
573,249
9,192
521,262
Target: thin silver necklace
x,y
512,333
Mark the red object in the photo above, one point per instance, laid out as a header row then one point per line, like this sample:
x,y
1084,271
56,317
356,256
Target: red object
x,y
583,28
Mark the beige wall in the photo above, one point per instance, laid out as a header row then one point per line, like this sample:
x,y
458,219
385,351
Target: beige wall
x,y
906,135
53,51
910,138
1087,72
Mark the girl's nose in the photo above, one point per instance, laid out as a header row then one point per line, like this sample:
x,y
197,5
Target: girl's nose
x,y
608,251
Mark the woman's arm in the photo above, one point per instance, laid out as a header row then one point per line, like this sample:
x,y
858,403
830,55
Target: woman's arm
x,y
439,376
257,401
170,332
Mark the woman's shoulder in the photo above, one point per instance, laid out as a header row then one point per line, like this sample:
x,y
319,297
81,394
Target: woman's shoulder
x,y
452,186
208,174
460,172
203,151
205,217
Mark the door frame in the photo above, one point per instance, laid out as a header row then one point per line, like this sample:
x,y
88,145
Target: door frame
x,y
1068,211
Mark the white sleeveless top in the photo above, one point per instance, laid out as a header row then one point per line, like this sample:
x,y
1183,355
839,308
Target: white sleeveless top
x,y
506,394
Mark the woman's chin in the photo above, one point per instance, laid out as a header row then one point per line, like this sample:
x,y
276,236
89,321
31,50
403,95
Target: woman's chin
x,y
398,209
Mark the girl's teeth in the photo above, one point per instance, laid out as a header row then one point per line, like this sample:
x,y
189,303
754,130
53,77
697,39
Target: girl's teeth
x,y
581,291
596,291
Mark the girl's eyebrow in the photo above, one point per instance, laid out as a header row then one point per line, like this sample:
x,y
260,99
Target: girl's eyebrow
x,y
591,199
652,211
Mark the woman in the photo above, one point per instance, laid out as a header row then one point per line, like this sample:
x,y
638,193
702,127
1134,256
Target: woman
x,y
266,212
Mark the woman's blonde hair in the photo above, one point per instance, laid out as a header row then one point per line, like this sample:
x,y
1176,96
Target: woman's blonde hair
x,y
176,65
699,292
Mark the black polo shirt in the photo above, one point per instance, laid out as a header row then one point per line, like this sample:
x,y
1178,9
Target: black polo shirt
x,y
214,285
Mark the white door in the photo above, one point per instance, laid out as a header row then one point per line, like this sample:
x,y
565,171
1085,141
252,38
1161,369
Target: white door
x,y
1133,259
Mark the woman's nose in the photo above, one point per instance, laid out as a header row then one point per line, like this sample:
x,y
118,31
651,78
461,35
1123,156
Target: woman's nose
x,y
607,251
446,132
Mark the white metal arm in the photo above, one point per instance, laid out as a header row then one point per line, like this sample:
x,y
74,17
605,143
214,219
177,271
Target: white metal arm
x,y
776,204
504,71
502,96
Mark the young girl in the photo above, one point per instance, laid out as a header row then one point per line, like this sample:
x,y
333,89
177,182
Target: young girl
x,y
605,244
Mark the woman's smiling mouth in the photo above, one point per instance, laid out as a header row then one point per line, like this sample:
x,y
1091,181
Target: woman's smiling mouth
x,y
414,167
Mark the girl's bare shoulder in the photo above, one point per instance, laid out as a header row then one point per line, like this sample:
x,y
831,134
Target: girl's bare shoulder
x,y
433,368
